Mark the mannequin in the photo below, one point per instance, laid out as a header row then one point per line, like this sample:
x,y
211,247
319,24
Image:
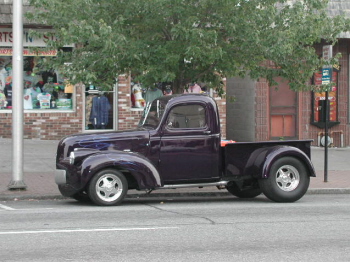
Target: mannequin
x,y
137,92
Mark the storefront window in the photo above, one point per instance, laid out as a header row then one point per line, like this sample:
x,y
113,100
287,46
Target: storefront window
x,y
42,88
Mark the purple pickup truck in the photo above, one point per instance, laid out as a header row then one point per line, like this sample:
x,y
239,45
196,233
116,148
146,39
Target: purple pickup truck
x,y
177,144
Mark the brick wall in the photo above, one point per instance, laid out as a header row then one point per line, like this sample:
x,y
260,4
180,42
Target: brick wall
x,y
308,131
128,118
221,102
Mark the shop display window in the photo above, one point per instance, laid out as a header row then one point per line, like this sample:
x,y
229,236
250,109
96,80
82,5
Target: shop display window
x,y
43,89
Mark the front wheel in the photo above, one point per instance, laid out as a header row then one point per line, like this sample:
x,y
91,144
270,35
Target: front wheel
x,y
288,180
108,187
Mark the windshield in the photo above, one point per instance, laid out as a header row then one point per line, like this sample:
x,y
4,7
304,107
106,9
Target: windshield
x,y
152,113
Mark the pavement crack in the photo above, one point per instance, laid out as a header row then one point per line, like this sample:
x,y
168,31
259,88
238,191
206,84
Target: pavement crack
x,y
212,222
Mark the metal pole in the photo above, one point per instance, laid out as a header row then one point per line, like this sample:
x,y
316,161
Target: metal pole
x,y
17,97
326,139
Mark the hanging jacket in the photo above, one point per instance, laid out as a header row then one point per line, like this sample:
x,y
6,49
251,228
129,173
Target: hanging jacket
x,y
99,111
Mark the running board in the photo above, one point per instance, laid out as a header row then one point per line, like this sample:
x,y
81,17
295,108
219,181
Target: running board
x,y
221,183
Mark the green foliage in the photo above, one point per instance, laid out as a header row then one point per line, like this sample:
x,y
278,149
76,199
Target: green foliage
x,y
183,41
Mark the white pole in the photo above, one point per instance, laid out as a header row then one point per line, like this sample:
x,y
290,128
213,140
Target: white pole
x,y
17,97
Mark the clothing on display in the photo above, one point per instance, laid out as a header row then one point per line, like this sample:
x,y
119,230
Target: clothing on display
x,y
8,94
99,112
49,87
28,102
49,76
193,88
3,102
152,93
88,107
3,75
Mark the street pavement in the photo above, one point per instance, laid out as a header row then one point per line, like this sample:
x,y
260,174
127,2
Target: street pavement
x,y
39,166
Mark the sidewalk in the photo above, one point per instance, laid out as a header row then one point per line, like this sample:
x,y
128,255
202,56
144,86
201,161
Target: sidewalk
x,y
39,166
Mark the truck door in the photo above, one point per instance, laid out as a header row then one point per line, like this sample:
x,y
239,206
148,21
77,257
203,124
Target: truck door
x,y
188,148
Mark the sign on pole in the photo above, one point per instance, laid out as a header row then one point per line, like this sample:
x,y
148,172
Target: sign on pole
x,y
326,75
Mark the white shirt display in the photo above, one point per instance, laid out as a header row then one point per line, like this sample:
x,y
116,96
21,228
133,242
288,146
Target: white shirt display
x,y
28,103
3,75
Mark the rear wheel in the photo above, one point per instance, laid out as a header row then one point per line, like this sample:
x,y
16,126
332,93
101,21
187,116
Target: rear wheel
x,y
244,192
108,187
288,180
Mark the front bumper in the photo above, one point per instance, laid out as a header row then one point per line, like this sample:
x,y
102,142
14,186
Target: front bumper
x,y
60,176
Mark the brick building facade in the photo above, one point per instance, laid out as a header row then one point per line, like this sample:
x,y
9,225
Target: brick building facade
x,y
262,113
253,113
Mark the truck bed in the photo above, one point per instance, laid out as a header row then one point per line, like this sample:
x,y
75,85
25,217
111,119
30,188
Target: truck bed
x,y
239,158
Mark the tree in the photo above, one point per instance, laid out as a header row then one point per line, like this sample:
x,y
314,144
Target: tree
x,y
183,41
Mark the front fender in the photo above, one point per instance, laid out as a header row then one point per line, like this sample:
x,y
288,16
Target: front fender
x,y
140,167
260,162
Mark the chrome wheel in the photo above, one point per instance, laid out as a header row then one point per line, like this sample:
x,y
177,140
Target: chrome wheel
x,y
287,178
109,187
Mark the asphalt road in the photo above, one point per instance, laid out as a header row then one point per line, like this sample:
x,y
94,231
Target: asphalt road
x,y
316,228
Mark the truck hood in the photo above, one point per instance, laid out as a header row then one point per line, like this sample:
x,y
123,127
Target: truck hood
x,y
128,140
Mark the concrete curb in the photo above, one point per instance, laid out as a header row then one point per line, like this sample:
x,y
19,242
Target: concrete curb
x,y
313,191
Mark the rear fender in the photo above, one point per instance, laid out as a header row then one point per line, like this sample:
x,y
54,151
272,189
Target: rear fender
x,y
141,168
261,160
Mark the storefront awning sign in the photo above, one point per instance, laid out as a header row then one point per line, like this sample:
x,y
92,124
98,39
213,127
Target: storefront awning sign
x,y
6,38
27,52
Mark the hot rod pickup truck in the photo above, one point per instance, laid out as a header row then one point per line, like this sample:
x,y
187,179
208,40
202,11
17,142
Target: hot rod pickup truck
x,y
177,144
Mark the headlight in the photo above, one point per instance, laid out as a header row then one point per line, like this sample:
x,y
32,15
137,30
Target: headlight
x,y
71,158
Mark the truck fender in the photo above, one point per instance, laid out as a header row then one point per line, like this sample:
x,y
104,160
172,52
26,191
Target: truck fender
x,y
140,167
261,160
